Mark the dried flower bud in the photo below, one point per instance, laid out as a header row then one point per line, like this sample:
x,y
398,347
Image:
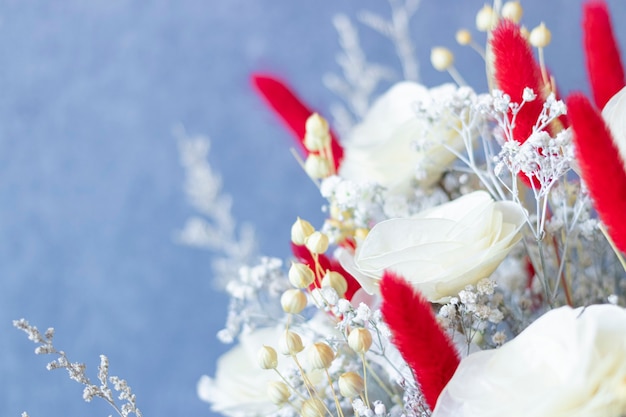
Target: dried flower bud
x,y
441,58
513,11
317,242
293,301
316,143
351,384
290,343
300,230
336,281
320,356
278,392
463,37
316,125
317,166
524,32
360,340
312,408
540,36
300,275
267,358
486,19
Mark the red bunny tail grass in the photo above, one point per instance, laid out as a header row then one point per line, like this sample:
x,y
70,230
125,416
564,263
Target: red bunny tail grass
x,y
422,342
601,166
604,65
291,110
516,69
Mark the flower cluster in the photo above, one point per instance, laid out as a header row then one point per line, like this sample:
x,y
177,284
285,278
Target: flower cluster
x,y
468,237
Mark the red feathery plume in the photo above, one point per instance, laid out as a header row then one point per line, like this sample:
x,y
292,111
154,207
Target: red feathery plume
x,y
291,110
601,166
303,255
515,69
604,65
422,342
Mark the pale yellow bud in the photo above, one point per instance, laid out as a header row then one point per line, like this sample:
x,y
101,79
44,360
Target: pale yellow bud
x,y
540,36
290,343
513,11
300,275
336,281
317,242
360,340
441,58
351,384
320,356
278,392
317,166
293,301
316,125
312,408
267,358
463,37
316,143
300,230
486,19
361,233
524,32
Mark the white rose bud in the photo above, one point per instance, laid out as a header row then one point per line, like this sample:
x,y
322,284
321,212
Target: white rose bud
x,y
360,340
513,11
317,166
463,37
290,343
320,356
267,358
293,301
312,408
486,19
540,36
300,230
317,242
300,275
336,281
351,384
278,392
441,58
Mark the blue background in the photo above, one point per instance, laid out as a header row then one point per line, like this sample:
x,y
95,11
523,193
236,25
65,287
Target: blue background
x,y
91,187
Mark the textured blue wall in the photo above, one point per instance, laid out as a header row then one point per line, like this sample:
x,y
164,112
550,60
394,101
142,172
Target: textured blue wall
x,y
91,184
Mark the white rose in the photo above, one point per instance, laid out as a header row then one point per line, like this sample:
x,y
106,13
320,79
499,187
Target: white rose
x,y
440,250
614,114
568,363
239,386
382,148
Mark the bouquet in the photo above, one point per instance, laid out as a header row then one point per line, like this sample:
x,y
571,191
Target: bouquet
x,y
471,262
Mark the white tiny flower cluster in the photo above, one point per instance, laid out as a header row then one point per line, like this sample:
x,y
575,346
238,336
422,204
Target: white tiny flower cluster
x,y
77,372
250,292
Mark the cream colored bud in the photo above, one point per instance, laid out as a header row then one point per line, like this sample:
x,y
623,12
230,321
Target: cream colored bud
x,y
300,275
317,166
463,37
513,11
524,32
300,230
360,340
361,233
267,358
290,343
336,281
316,143
293,301
486,19
278,392
351,384
317,242
540,36
312,408
441,58
320,356
316,125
